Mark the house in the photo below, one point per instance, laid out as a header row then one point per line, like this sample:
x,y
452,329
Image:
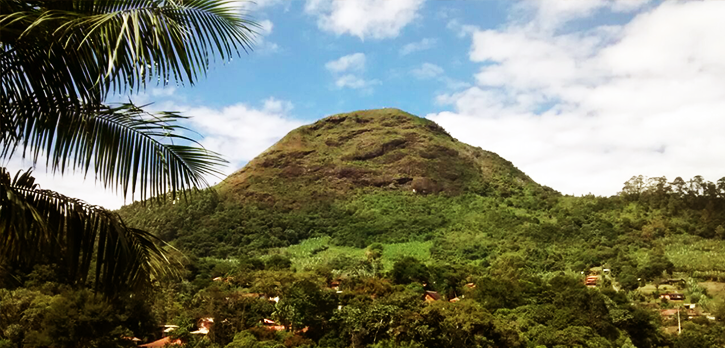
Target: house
x,y
204,326
168,328
591,280
669,312
471,286
272,325
132,339
162,343
431,296
335,284
673,297
454,300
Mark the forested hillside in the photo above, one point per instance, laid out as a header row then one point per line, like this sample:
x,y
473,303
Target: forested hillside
x,y
378,229
363,177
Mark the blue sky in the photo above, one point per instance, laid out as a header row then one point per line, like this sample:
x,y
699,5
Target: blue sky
x,y
580,95
295,69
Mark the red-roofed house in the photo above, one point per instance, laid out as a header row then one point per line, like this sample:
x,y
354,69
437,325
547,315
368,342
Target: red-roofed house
x,y
161,343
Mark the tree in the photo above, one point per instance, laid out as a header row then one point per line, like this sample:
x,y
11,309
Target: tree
x,y
634,186
278,263
628,279
305,304
59,63
374,252
408,270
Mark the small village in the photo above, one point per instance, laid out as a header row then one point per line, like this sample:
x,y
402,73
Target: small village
x,y
665,296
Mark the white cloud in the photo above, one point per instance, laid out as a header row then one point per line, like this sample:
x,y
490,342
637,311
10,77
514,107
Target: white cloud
x,y
422,45
163,91
350,62
378,19
241,132
552,14
584,111
238,132
71,184
354,82
430,71
347,71
265,27
427,71
262,45
461,30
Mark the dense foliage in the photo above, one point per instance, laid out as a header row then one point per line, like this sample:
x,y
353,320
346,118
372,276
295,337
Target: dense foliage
x,y
60,63
329,257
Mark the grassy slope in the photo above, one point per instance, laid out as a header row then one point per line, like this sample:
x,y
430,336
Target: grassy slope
x,y
318,251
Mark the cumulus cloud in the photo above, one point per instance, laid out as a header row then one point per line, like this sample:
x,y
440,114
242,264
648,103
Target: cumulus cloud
x,y
261,44
422,45
551,14
72,184
354,62
354,82
427,71
348,70
430,71
265,27
584,111
240,132
378,19
461,30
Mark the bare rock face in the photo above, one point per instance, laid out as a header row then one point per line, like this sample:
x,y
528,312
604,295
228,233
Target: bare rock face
x,y
424,186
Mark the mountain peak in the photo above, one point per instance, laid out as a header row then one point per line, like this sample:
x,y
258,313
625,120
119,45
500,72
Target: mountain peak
x,y
387,149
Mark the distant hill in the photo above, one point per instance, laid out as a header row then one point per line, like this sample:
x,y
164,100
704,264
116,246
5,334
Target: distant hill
x,y
385,148
309,181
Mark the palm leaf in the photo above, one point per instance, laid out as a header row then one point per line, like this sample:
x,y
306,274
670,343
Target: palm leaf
x,y
83,48
90,243
126,147
60,59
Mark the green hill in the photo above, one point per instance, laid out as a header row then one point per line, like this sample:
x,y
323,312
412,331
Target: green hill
x,y
386,148
367,176
352,219
390,177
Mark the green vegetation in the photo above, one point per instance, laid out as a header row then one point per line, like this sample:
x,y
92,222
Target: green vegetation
x,y
352,232
60,62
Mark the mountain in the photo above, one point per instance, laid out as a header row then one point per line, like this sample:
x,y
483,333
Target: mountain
x,y
512,256
322,178
385,148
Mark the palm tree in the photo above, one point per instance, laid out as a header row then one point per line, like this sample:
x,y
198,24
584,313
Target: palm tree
x,y
60,61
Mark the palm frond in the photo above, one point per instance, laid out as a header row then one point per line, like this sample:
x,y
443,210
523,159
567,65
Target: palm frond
x,y
91,244
126,147
103,46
